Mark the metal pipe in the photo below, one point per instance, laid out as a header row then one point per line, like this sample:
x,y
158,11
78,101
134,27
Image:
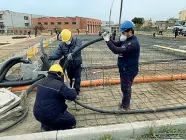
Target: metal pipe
x,y
110,14
121,7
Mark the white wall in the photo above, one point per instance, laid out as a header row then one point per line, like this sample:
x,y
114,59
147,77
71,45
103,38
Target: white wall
x,y
105,23
15,19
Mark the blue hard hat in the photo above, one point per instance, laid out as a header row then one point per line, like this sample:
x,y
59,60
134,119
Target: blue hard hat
x,y
126,25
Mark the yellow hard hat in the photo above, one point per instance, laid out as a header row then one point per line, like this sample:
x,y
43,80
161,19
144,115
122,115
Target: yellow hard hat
x,y
66,35
56,68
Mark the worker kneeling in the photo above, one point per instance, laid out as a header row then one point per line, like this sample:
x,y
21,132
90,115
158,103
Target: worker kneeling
x,y
50,108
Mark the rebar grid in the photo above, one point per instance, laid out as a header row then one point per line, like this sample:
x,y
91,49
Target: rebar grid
x,y
98,55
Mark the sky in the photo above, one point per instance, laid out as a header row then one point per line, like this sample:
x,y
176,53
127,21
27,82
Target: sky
x,y
99,9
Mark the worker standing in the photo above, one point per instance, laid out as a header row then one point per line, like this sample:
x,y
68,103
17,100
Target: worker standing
x,y
29,32
64,51
114,35
50,108
176,32
128,59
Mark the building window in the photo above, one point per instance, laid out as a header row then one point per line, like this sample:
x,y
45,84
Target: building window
x,y
45,23
26,24
66,22
11,31
1,16
52,23
39,23
59,23
25,18
73,22
20,31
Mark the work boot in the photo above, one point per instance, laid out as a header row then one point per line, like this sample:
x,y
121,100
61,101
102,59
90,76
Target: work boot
x,y
78,97
45,127
123,108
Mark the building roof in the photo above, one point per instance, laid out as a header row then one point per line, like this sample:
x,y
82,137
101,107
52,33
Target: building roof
x,y
18,12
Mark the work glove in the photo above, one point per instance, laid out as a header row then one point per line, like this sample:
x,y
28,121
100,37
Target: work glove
x,y
106,36
69,57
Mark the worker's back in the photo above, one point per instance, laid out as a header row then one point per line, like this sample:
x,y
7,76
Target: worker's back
x,y
50,98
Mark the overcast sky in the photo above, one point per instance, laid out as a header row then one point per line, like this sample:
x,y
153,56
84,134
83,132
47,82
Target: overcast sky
x,y
99,9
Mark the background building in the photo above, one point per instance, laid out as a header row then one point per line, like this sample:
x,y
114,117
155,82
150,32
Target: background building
x,y
115,28
147,23
105,25
72,23
182,15
162,25
11,19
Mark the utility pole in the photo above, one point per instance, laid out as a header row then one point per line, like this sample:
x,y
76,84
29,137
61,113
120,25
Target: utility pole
x,y
121,7
110,13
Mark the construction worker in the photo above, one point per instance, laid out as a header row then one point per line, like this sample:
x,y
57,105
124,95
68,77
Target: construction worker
x,y
176,32
114,35
29,32
128,56
64,51
50,108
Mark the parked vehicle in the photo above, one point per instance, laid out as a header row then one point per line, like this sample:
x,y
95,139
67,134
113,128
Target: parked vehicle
x,y
184,30
180,26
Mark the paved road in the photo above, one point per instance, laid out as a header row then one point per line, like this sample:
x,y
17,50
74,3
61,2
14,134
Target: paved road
x,y
159,41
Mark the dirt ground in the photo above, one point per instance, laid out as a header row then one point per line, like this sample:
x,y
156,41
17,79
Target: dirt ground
x,y
8,39
16,46
145,95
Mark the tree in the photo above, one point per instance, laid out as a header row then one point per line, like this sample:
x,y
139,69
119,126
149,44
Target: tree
x,y
58,29
40,27
35,29
138,22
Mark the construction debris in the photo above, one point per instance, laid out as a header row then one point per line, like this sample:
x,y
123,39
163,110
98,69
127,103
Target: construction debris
x,y
9,99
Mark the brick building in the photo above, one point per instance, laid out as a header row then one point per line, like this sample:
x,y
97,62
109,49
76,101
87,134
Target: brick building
x,y
20,31
73,23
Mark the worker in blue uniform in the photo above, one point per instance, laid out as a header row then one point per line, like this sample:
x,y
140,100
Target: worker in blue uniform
x,y
128,51
50,108
68,45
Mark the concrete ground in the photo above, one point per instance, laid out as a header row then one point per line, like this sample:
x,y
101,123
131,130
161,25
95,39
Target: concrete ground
x,y
145,95
16,45
165,35
8,39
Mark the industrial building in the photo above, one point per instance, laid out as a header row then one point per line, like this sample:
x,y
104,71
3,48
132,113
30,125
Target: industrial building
x,y
10,19
105,25
182,15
